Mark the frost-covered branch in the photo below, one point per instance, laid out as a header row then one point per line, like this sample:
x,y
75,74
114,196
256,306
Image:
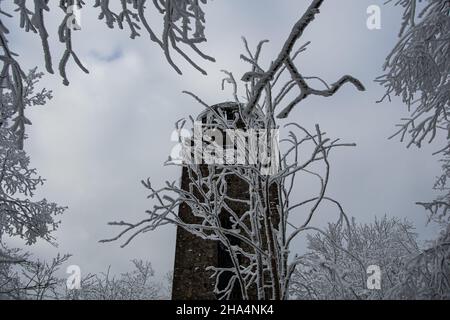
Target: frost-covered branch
x,y
20,215
137,284
183,31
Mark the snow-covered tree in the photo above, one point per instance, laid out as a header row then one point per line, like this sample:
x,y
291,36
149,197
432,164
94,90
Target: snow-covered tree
x,y
35,279
418,71
335,266
21,216
25,278
426,276
258,242
137,284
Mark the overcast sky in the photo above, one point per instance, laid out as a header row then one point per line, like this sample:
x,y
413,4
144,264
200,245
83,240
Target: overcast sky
x,y
100,136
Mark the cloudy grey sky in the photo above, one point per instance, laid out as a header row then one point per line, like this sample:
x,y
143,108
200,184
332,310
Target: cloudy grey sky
x,y
100,136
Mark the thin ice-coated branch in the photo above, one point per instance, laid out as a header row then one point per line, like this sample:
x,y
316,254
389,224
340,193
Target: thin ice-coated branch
x,y
284,57
306,90
294,36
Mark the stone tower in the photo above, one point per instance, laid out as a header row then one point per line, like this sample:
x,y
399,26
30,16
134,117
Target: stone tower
x,y
192,254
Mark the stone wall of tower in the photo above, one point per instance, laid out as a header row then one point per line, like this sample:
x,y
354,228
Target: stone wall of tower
x,y
192,256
